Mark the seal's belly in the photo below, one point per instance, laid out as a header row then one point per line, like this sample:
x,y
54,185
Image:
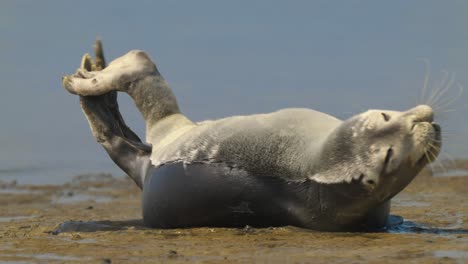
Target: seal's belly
x,y
179,195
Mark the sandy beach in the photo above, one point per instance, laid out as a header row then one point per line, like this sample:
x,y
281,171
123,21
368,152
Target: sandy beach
x,y
96,218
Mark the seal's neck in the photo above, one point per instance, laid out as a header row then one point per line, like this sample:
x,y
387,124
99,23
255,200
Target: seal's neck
x,y
337,161
154,98
168,129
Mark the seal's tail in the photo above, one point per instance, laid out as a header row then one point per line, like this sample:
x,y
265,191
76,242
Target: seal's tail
x,y
108,127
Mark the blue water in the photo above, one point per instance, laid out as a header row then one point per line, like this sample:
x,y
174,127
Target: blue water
x,y
54,172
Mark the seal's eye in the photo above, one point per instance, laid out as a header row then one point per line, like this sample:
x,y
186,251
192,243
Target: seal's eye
x,y
385,117
388,156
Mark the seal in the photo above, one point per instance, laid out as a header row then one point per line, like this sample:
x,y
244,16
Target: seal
x,y
291,167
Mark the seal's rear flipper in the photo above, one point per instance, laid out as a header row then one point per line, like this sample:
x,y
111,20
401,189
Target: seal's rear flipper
x,y
108,127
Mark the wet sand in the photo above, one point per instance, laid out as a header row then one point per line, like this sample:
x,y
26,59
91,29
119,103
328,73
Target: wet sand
x,y
97,219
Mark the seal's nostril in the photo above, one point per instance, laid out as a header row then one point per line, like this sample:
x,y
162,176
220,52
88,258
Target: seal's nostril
x,y
438,132
436,127
370,182
386,117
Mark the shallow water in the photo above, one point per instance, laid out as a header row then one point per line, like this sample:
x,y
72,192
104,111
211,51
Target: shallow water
x,y
75,198
18,191
56,173
453,173
15,218
462,255
49,257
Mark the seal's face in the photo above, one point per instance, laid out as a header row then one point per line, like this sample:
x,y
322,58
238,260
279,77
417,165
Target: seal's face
x,y
381,150
390,140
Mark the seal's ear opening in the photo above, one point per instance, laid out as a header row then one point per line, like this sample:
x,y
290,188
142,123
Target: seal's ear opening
x,y
108,127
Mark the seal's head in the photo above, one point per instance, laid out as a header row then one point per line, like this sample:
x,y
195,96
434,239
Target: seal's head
x,y
380,150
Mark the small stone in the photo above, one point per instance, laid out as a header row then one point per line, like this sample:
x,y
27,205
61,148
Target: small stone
x,y
248,229
172,253
106,261
76,237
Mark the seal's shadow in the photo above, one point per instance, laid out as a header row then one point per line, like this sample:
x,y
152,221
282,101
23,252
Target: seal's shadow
x,y
95,226
397,225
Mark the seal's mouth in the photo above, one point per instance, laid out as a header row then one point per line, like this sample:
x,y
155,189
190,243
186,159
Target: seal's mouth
x,y
432,146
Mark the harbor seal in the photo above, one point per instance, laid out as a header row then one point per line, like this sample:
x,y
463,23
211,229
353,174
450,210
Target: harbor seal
x,y
291,167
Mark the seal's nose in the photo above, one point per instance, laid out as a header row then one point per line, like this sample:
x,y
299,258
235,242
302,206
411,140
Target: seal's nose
x,y
422,113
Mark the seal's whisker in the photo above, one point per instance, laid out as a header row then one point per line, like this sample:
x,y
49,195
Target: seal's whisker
x,y
428,157
442,106
443,90
445,85
450,130
449,133
435,91
447,110
448,138
452,100
426,79
432,145
437,161
449,159
446,132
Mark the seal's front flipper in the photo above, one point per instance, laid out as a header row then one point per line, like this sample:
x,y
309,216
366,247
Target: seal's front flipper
x,y
108,127
122,145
